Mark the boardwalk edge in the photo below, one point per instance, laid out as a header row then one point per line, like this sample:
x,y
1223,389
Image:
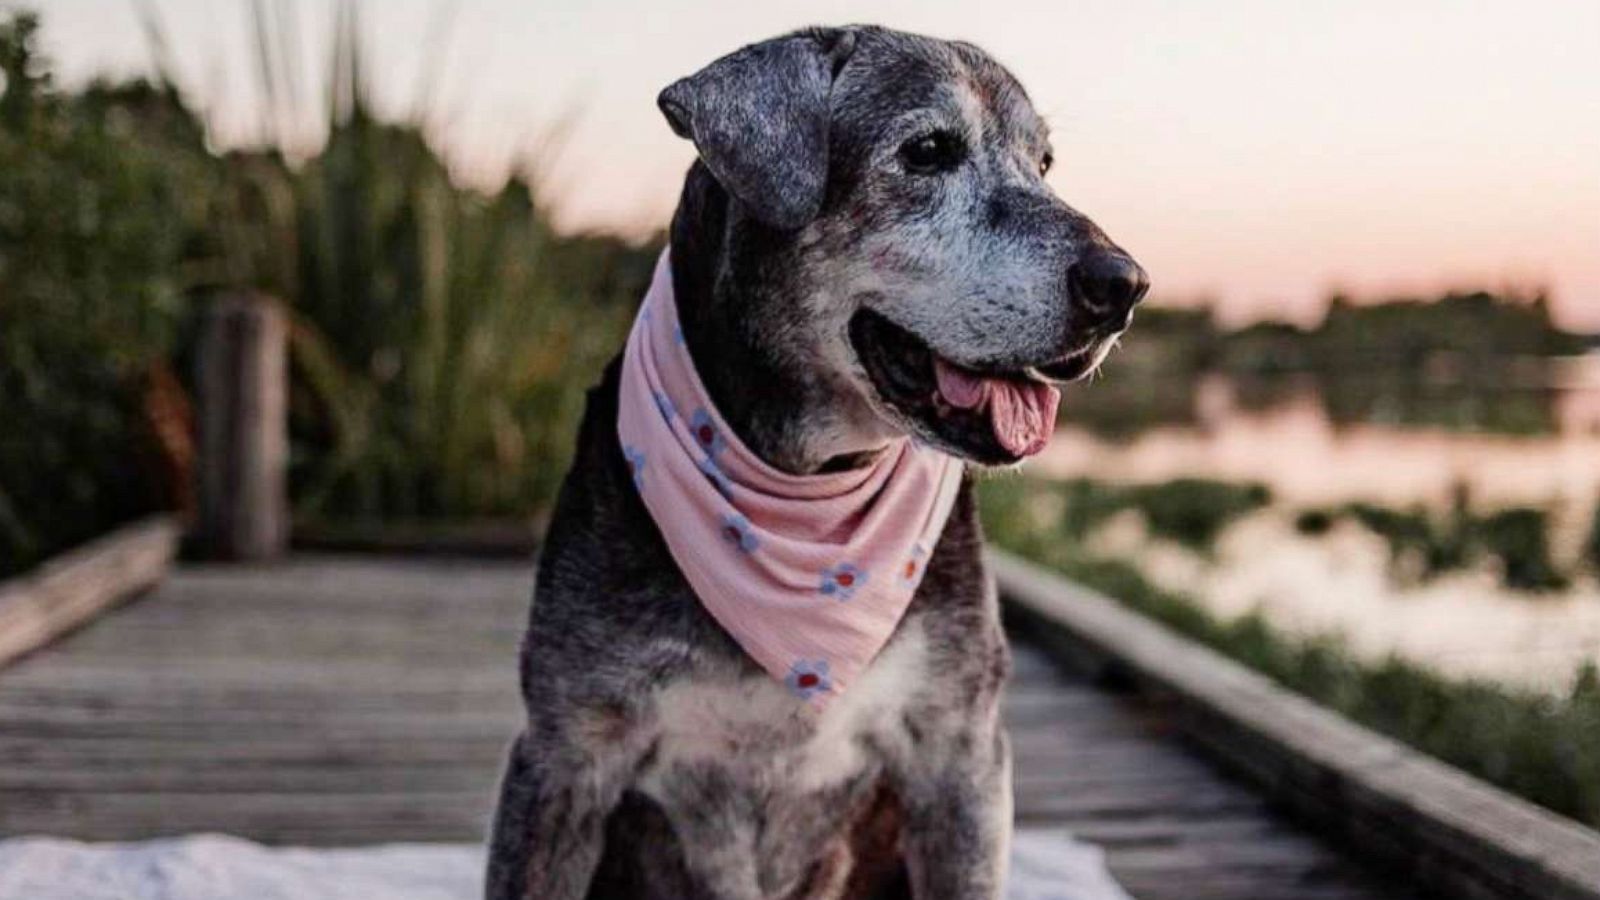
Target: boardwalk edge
x,y
72,588
1451,832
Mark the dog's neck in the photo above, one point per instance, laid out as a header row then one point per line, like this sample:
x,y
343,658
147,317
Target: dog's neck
x,y
727,277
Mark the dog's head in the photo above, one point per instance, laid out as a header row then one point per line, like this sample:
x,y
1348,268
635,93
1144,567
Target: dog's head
x,y
897,182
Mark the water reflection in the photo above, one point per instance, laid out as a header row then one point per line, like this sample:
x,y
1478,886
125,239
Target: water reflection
x,y
1534,442
1464,623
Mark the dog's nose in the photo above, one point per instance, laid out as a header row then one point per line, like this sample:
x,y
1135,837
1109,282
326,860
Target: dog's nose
x,y
1107,284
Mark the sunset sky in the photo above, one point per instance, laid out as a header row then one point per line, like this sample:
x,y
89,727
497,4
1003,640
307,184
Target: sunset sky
x,y
1254,152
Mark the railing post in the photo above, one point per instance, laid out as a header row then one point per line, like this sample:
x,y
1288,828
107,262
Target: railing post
x,y
243,388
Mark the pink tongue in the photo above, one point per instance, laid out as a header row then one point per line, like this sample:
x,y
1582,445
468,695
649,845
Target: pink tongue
x,y
1022,414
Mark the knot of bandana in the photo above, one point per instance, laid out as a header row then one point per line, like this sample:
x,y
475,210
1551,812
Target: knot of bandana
x,y
809,573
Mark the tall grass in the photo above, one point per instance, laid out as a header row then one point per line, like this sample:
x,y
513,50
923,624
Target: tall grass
x,y
442,336
442,342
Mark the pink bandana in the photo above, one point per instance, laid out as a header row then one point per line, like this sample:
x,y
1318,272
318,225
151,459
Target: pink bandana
x,y
809,573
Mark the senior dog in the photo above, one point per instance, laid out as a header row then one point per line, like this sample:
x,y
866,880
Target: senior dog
x,y
865,265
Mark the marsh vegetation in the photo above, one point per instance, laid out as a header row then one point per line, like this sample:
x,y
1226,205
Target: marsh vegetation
x,y
441,336
1543,744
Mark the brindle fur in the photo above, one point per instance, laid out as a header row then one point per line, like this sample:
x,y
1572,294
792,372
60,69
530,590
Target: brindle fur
x,y
658,760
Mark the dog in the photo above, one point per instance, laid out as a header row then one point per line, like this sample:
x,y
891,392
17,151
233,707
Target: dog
x,y
867,214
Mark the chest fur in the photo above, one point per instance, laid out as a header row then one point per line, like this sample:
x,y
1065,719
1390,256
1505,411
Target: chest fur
x,y
750,734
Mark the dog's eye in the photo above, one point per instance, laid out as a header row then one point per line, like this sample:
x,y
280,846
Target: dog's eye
x,y
932,153
1045,163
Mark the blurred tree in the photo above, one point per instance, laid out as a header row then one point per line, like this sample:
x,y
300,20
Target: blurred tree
x,y
91,240
442,337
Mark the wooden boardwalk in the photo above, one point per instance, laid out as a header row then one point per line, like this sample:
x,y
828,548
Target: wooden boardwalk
x,y
334,700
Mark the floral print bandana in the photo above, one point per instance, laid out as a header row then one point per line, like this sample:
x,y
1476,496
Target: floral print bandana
x,y
809,573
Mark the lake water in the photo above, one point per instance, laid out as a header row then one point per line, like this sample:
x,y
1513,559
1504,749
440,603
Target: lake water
x,y
1465,623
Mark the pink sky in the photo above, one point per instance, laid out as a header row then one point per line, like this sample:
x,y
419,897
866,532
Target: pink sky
x,y
1256,152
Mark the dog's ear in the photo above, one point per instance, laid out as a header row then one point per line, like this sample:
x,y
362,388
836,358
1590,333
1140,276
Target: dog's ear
x,y
759,118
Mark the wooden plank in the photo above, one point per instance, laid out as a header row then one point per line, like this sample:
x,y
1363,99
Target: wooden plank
x,y
1452,832
76,586
1101,766
333,700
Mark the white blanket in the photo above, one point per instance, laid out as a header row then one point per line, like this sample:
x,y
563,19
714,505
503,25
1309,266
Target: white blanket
x,y
1046,865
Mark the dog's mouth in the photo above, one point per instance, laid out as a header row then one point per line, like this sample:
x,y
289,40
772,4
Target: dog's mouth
x,y
992,416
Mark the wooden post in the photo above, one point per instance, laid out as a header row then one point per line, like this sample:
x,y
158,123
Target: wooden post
x,y
244,446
